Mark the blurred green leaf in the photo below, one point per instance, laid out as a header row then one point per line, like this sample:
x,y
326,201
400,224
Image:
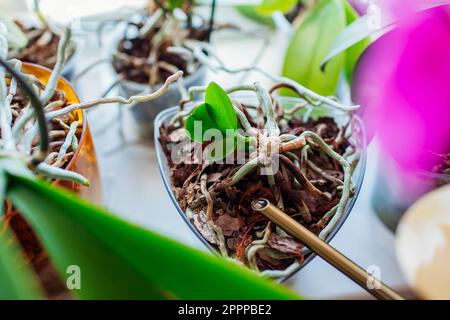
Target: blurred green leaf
x,y
310,44
17,279
121,260
16,38
251,12
174,4
352,40
268,7
354,52
220,108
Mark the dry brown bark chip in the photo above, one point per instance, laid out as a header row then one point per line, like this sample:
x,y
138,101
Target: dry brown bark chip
x,y
228,224
265,255
200,222
285,244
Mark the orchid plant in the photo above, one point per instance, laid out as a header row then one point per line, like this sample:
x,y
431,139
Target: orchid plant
x,y
265,146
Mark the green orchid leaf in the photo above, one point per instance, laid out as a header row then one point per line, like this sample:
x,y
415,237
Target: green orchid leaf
x,y
14,35
353,53
310,44
216,113
119,260
17,279
220,108
198,122
352,40
268,7
220,149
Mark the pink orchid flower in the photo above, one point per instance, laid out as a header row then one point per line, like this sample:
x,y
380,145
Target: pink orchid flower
x,y
402,83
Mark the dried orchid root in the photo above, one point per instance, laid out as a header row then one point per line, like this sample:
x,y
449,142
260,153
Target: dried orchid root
x,y
217,229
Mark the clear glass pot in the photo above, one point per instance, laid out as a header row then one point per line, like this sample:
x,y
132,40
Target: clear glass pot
x,y
358,175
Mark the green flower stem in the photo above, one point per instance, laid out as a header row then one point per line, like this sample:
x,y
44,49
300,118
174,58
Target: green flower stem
x,y
39,14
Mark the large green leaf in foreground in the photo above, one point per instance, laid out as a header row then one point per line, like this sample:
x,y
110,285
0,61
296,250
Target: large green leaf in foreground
x,y
16,277
120,260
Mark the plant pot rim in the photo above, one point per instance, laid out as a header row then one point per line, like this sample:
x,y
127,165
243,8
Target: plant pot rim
x,y
63,84
166,115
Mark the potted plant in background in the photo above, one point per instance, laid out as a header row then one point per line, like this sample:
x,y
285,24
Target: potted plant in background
x,y
153,47
309,148
80,237
40,42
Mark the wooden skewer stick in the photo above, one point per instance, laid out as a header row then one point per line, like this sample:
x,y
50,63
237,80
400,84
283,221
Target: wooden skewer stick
x,y
324,250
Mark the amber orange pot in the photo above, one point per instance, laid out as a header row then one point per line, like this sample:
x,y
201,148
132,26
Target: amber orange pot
x,y
84,162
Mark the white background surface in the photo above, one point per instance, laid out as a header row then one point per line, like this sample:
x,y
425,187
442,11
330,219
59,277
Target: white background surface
x,y
133,187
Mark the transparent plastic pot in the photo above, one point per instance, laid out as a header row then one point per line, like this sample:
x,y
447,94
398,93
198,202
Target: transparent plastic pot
x,y
358,175
145,113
